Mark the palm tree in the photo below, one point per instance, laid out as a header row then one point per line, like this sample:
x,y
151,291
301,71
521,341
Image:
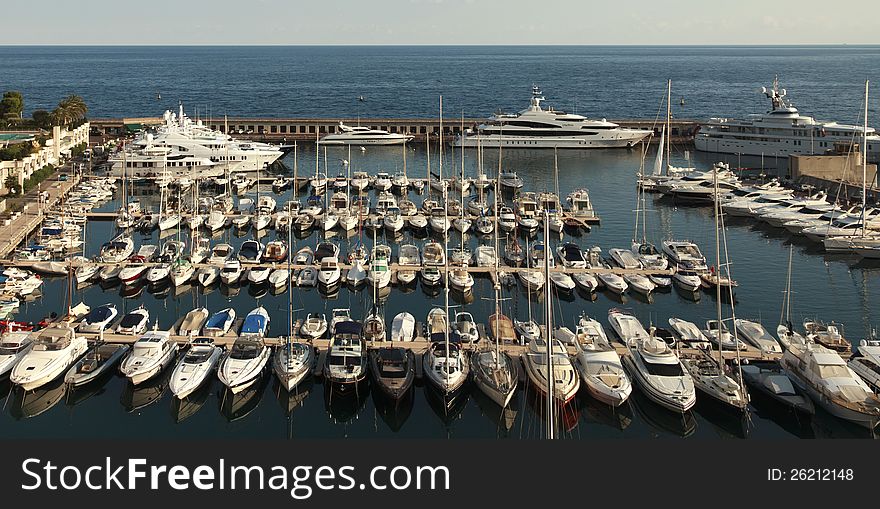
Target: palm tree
x,y
71,109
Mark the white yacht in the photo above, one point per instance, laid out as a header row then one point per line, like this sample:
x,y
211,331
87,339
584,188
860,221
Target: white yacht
x,y
599,364
244,363
362,135
536,127
182,147
53,352
152,353
195,367
780,132
653,365
13,346
825,376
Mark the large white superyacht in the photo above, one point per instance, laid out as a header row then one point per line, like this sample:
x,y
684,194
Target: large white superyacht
x,y
182,147
780,132
536,127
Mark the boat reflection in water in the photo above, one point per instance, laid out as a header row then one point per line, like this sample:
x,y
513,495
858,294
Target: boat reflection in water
x,y
725,421
183,409
568,415
662,419
393,412
294,399
595,411
238,406
448,407
33,403
343,408
96,387
503,418
136,397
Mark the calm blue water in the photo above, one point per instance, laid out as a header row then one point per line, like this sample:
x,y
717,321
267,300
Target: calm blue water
x,y
838,288
614,81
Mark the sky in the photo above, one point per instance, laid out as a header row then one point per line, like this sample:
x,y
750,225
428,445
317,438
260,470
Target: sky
x,y
439,22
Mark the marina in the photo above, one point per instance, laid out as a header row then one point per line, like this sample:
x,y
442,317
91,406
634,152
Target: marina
x,y
385,282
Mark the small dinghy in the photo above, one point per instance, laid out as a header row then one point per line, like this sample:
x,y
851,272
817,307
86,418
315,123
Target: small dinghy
x,y
314,327
193,321
403,327
220,322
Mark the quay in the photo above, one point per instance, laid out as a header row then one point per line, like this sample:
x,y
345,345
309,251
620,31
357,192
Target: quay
x,y
308,129
18,228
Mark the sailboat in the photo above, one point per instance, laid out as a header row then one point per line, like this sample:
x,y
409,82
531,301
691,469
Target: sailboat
x,y
445,365
494,371
657,177
547,363
166,220
785,330
645,252
861,243
293,362
713,377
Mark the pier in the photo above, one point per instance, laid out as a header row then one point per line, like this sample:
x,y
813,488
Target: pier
x,y
308,129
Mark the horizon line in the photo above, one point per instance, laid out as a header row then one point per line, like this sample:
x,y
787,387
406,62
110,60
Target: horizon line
x,y
671,45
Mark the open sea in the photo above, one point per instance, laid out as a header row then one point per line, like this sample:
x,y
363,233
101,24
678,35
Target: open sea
x,y
617,82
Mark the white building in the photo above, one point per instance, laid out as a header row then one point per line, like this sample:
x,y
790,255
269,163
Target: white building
x,y
56,150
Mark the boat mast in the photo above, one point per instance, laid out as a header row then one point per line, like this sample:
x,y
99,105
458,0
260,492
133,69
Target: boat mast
x,y
668,119
461,149
556,179
295,181
551,381
290,290
865,162
124,187
497,278
444,191
718,269
226,165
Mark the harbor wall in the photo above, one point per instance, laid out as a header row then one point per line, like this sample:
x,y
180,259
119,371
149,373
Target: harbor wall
x,y
830,171
308,129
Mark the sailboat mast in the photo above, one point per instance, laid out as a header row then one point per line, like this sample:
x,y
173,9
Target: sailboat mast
x,y
295,167
718,267
445,243
551,381
668,119
290,291
865,162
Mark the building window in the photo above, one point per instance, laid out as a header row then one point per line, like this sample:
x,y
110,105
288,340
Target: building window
x,y
273,129
312,129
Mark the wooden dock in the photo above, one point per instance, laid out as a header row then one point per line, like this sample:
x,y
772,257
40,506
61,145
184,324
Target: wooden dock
x,y
418,346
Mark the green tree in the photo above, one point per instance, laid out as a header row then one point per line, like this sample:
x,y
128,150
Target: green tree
x,y
42,119
11,106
